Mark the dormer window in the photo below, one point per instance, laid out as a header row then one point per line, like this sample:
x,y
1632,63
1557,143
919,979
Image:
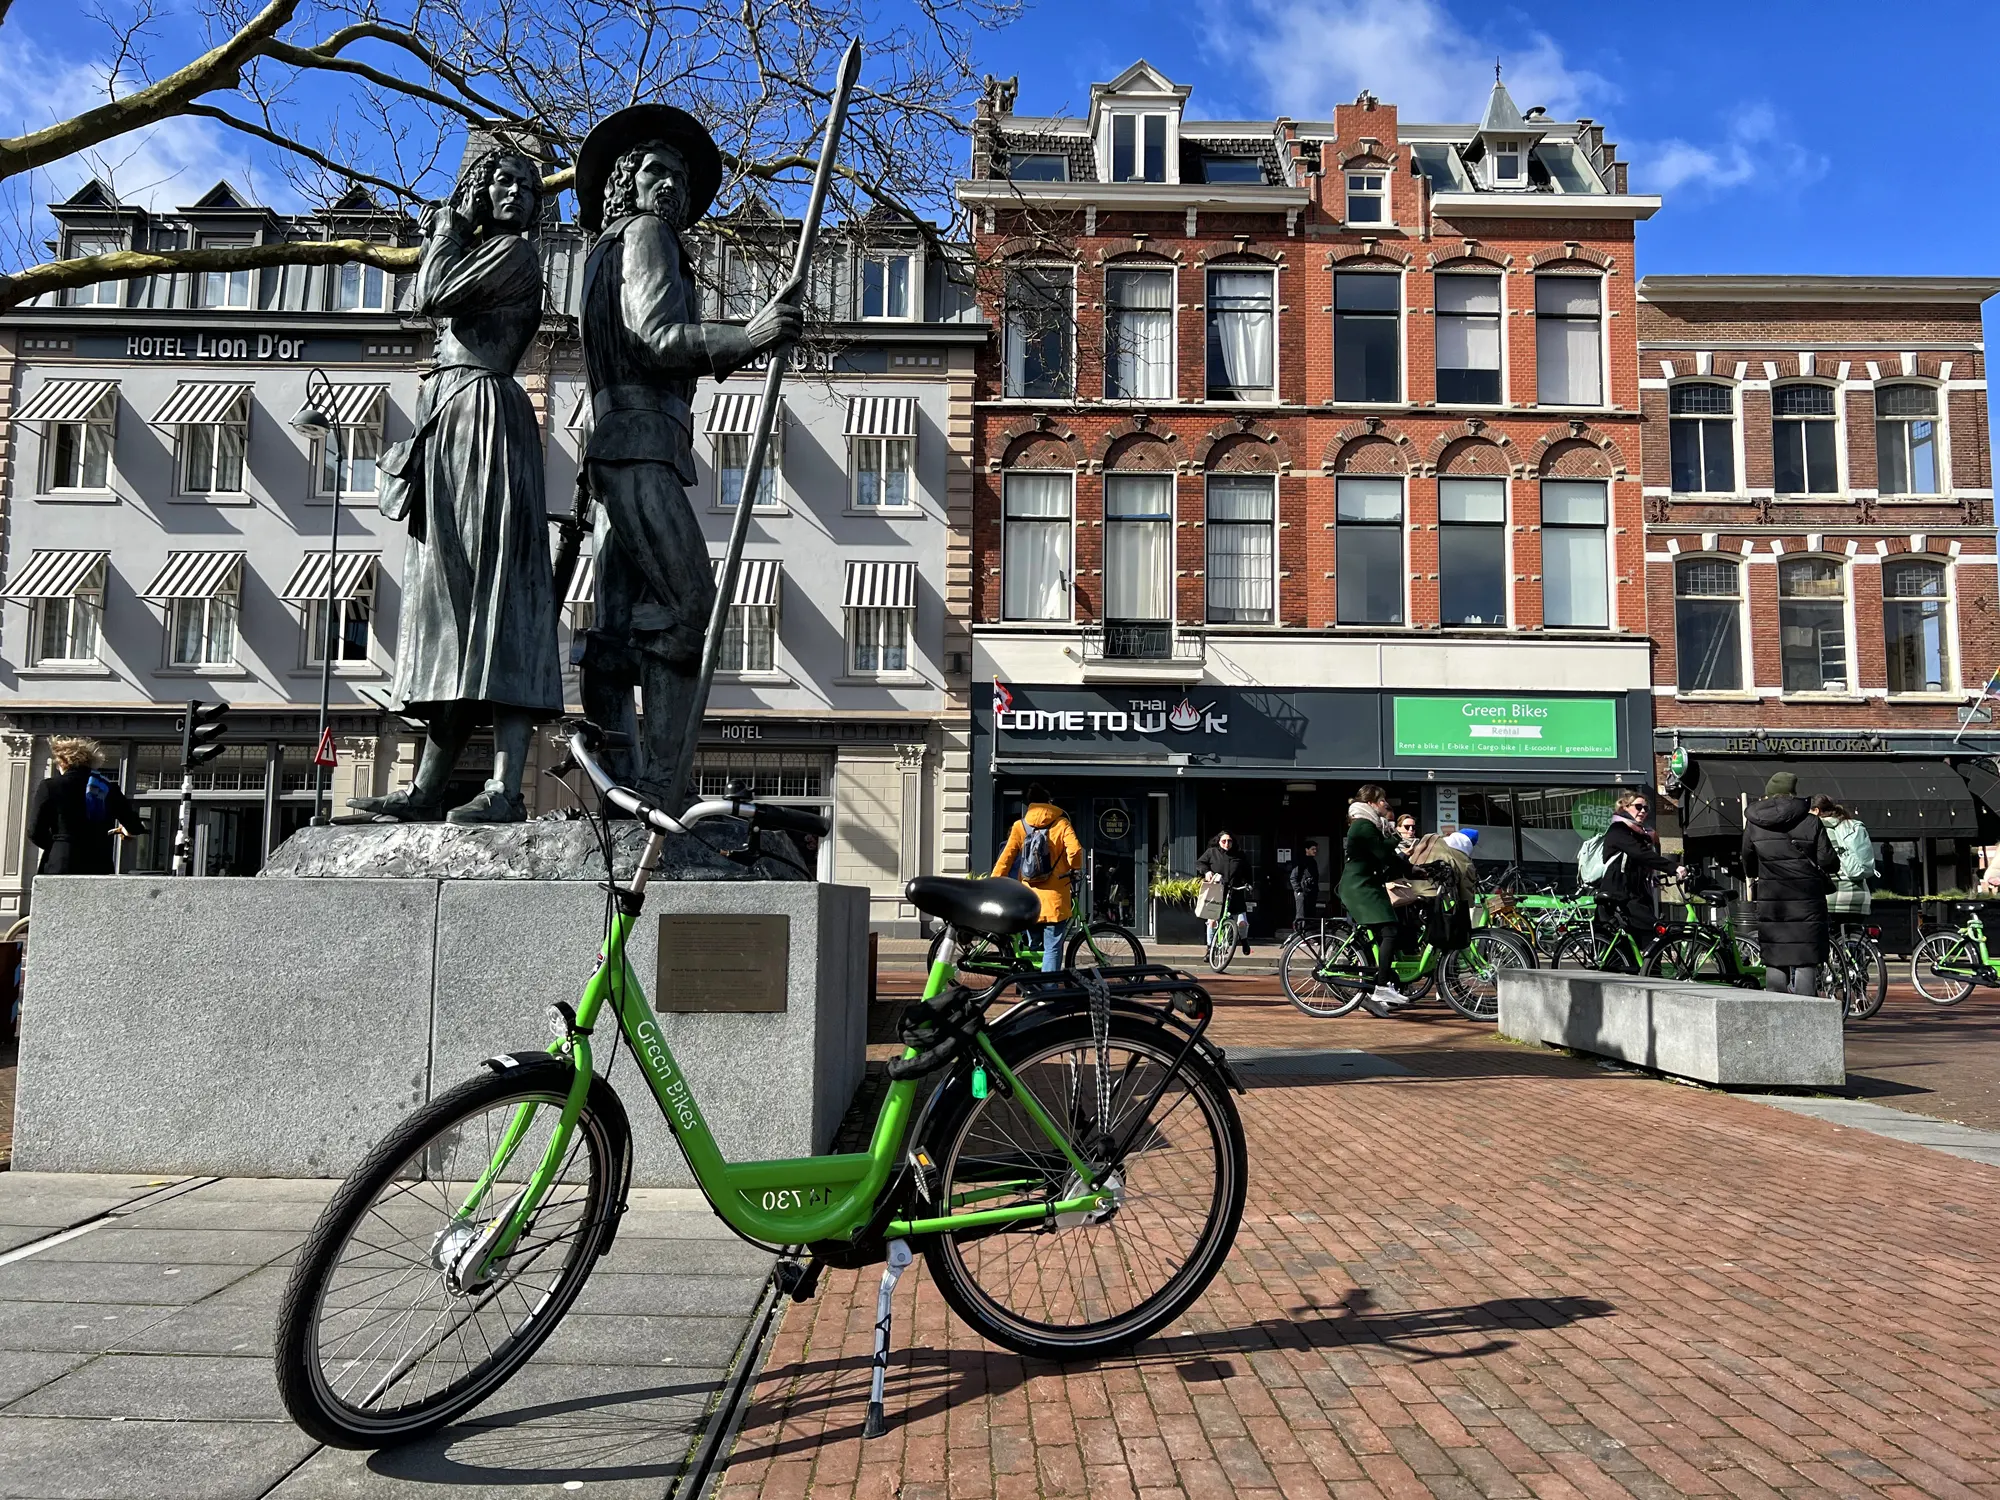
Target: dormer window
x,y
1037,167
1507,170
97,293
1232,169
1139,148
1366,203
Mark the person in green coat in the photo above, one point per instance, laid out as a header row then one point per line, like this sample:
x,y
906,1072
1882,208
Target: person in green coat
x,y
1372,862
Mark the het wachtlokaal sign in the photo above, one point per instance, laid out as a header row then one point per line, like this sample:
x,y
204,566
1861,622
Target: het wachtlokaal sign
x,y
1508,728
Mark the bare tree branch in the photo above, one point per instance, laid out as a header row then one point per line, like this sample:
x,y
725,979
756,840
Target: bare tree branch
x,y
125,265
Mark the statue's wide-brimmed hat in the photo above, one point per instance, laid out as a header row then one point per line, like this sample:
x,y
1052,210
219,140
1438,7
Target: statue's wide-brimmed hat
x,y
614,135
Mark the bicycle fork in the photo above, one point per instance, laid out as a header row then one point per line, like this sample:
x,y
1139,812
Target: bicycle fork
x,y
899,1262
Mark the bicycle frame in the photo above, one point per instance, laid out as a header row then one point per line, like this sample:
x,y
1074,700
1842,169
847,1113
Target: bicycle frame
x,y
1973,931
789,1201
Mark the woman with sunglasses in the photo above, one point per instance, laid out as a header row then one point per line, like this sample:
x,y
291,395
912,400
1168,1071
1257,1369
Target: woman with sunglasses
x,y
1632,863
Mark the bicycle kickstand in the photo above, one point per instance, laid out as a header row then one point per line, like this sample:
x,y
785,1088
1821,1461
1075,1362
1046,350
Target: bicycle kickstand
x,y
899,1262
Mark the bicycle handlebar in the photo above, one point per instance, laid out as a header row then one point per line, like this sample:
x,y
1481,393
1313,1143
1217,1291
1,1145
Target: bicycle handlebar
x,y
585,737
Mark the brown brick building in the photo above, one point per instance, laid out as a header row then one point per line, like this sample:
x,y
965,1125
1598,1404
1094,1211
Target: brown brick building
x,y
1307,453
1820,549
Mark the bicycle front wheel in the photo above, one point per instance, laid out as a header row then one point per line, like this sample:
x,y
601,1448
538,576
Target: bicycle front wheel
x,y
1939,965
1105,945
1322,974
1090,1284
382,1333
1222,946
1470,977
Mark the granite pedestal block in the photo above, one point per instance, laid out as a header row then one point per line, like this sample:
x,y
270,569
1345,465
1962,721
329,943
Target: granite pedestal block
x,y
257,1027
1709,1032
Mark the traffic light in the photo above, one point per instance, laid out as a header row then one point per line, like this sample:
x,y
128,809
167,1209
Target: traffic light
x,y
202,728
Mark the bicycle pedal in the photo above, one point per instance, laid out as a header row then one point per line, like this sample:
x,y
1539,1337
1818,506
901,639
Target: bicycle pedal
x,y
799,1282
924,1170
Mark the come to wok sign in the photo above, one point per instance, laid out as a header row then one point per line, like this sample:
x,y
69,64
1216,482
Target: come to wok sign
x,y
1508,728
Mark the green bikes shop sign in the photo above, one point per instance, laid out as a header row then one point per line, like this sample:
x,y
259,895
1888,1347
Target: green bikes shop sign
x,y
1508,728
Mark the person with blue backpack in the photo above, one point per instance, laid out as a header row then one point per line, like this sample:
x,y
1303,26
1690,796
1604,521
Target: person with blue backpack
x,y
77,810
1043,853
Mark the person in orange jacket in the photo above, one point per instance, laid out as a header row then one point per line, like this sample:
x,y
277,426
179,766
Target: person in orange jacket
x,y
1043,853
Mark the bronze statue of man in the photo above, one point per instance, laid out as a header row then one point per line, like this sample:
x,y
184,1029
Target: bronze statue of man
x,y
644,175
478,627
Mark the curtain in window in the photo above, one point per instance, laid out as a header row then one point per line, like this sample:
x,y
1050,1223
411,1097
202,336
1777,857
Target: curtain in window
x,y
1138,546
1239,334
1139,358
1241,543
1468,338
1575,567
1036,562
1566,341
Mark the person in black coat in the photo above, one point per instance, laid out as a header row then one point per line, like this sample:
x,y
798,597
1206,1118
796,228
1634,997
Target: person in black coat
x,y
1303,878
1633,862
1786,851
1223,869
73,840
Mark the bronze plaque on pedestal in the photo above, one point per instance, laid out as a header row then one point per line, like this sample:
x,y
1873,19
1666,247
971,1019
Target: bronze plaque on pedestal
x,y
723,965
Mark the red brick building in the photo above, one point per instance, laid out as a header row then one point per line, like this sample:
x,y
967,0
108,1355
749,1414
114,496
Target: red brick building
x,y
1820,549
1307,453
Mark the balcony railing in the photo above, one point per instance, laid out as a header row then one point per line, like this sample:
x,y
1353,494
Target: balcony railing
x,y
1140,641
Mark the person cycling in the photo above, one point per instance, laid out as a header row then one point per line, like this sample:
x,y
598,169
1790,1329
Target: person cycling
x,y
1372,862
1222,870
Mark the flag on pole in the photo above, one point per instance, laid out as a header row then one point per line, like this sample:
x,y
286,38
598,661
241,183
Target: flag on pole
x,y
1989,693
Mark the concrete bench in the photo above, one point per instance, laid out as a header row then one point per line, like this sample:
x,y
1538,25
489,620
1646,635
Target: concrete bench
x,y
1710,1032
243,1027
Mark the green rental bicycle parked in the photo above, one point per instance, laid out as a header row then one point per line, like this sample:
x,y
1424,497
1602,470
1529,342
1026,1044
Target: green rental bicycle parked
x,y
1085,944
1073,1172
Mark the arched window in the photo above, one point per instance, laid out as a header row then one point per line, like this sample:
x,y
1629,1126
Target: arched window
x,y
1139,333
1803,452
1906,445
1916,602
1812,624
1701,425
1708,624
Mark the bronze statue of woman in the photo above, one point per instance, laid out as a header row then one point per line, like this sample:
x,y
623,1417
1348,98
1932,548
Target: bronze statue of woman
x,y
478,631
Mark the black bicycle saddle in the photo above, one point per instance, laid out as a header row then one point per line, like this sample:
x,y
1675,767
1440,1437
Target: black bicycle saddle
x,y
996,906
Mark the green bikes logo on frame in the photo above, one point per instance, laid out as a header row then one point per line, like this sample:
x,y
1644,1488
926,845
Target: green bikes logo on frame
x,y
1508,728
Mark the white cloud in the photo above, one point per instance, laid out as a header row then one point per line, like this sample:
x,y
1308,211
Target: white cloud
x,y
1753,148
1312,54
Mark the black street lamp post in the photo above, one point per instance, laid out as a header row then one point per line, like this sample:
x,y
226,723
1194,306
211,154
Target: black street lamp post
x,y
319,419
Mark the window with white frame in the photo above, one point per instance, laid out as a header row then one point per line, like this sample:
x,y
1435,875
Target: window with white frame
x,y
750,276
1916,625
1701,437
1804,453
1241,550
1507,165
97,293
1708,624
1037,166
1035,546
878,641
1468,338
1138,548
64,630
1367,198
346,460
361,288
1575,558
232,288
353,617
1139,335
1569,355
1368,574
1812,624
1041,320
882,473
1906,440
211,453
732,463
1138,148
888,288
77,455
1472,551
1367,336
1242,335
749,639
202,632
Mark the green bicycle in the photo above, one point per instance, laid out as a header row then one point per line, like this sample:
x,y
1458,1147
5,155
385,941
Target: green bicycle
x,y
1074,1172
1948,965
1220,948
1086,944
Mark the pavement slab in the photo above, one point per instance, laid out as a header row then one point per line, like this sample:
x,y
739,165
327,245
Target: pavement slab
x,y
59,1459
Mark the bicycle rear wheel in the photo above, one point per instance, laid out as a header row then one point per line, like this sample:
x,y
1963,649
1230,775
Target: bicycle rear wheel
x,y
379,1339
1321,973
1105,945
1093,1283
1933,963
1469,979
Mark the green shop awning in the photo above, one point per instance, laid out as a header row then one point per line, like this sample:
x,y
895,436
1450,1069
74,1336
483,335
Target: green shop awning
x,y
1897,797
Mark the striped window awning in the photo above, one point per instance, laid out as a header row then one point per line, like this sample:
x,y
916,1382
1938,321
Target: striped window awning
x,y
195,575
54,575
882,416
880,585
355,405
198,403
352,573
756,579
70,401
583,582
580,412
734,414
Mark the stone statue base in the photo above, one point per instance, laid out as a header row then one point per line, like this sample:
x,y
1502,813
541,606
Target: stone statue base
x,y
540,849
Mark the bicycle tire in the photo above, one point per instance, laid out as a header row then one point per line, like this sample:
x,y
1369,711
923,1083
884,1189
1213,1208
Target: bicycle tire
x,y
1947,947
1221,950
1578,950
1105,945
429,1138
1875,973
1299,971
1462,977
1018,1303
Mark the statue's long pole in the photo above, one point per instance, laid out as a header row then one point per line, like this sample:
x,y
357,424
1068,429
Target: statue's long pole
x,y
760,441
